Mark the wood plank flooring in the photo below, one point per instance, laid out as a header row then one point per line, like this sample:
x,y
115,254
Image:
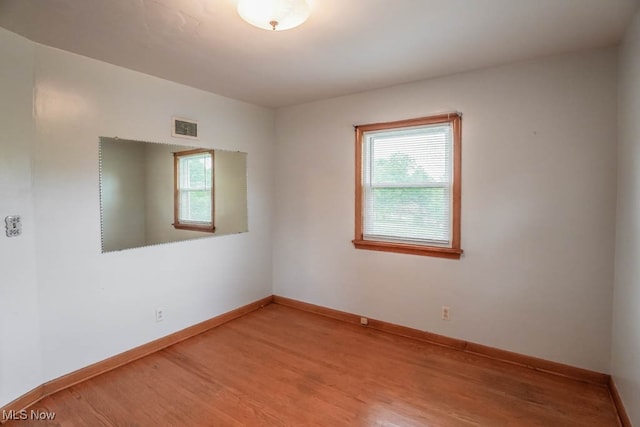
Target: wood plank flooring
x,y
279,366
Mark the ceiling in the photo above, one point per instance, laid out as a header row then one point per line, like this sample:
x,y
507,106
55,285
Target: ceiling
x,y
346,46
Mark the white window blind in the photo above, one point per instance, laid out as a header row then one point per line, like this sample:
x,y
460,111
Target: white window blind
x,y
407,185
195,189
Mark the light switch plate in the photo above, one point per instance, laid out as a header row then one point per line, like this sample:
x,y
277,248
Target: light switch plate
x,y
14,225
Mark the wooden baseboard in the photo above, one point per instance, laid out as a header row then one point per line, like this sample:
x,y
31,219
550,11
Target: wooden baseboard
x,y
469,347
83,374
625,421
21,403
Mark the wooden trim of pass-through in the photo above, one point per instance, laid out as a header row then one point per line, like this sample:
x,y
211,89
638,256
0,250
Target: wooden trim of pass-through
x,y
360,242
83,374
531,362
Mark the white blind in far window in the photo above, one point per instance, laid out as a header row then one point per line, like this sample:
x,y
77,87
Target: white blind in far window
x,y
407,185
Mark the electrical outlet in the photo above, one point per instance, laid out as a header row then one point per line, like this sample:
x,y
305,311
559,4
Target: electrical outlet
x,y
364,321
159,314
446,312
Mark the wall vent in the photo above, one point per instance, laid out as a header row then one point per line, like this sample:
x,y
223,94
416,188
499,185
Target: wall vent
x,y
184,128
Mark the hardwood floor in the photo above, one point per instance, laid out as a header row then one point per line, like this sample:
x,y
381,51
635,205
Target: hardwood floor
x,y
278,366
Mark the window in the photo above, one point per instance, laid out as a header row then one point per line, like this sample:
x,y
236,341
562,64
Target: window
x,y
193,195
408,186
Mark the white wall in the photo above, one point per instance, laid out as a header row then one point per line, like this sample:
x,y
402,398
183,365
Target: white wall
x,y
20,356
159,196
625,364
538,209
96,305
123,171
230,189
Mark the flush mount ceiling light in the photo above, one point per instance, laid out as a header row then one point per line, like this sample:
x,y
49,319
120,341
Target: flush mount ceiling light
x,y
274,14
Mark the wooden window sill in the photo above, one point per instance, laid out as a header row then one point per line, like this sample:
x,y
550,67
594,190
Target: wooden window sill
x,y
206,229
405,248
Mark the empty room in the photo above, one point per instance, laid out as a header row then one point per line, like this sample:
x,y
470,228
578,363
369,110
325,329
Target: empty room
x,y
320,212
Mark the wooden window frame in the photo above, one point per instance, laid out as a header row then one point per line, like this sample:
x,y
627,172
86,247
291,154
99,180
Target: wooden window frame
x,y
209,228
452,252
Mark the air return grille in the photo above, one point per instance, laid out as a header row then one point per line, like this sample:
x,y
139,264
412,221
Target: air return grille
x,y
184,128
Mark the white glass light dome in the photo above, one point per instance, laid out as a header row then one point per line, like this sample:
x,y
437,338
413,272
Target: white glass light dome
x,y
274,14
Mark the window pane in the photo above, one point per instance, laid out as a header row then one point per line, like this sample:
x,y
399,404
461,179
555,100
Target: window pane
x,y
407,184
195,188
195,171
411,156
195,206
409,214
